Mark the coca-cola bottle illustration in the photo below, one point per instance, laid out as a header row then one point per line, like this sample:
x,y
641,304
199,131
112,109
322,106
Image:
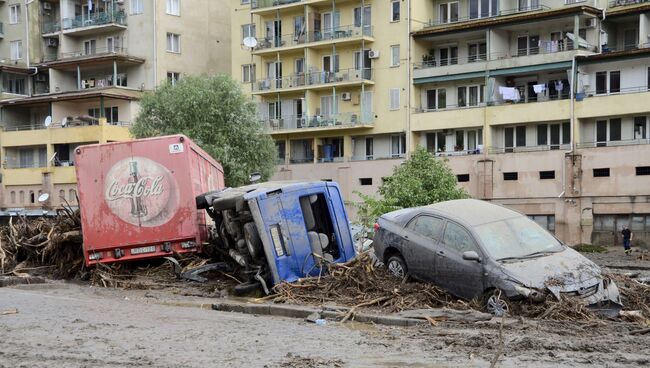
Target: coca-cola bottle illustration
x,y
138,208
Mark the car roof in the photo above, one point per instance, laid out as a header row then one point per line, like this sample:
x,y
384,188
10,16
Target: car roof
x,y
471,212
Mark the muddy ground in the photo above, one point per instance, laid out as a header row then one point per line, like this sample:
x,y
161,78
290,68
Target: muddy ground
x,y
77,325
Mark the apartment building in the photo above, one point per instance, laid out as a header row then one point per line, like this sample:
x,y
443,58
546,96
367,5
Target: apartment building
x,y
73,72
540,105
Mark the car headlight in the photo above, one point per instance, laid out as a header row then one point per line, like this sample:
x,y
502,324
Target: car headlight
x,y
530,293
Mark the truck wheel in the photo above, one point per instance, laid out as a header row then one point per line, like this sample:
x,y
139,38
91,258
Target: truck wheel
x,y
397,266
253,241
246,288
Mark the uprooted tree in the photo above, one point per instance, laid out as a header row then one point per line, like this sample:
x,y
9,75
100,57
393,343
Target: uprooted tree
x,y
421,180
215,113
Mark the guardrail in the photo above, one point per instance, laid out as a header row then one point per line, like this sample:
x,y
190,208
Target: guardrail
x,y
500,13
260,4
546,47
347,119
615,3
624,142
327,34
312,79
95,19
550,147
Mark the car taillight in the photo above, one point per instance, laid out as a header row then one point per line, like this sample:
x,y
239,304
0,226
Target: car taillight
x,y
376,226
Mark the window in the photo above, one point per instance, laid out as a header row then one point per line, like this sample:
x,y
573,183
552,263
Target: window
x,y
449,12
394,55
21,197
13,83
458,239
394,98
462,178
545,221
477,52
449,55
462,96
14,14
640,128
72,196
601,82
137,6
395,11
614,82
248,73
112,115
173,78
510,176
173,42
245,2
174,7
365,181
398,145
427,226
542,135
545,175
247,30
527,45
364,18
16,50
630,39
370,148
90,47
642,170
469,96
514,137
483,8
614,129
525,5
601,173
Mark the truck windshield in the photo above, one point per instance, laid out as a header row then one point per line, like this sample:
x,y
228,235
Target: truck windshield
x,y
516,238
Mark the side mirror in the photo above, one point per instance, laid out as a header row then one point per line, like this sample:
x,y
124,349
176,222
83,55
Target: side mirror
x,y
254,177
471,256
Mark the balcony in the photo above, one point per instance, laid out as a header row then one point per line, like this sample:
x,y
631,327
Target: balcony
x,y
552,147
338,35
302,123
625,142
314,80
455,19
86,54
79,129
625,101
617,3
99,22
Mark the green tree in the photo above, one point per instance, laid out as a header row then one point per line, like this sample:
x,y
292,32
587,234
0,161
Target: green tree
x,y
419,181
214,112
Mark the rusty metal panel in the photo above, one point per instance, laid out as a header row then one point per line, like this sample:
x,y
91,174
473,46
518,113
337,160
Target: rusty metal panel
x,y
137,198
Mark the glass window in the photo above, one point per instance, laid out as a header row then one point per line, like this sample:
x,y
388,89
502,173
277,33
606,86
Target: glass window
x,y
174,7
601,82
248,73
427,226
394,98
516,237
247,30
394,55
473,96
173,43
521,136
137,6
640,127
14,14
462,97
637,223
442,99
395,10
431,99
458,239
615,129
16,50
542,135
614,82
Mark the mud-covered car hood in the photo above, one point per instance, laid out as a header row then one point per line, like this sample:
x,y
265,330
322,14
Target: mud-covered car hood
x,y
564,271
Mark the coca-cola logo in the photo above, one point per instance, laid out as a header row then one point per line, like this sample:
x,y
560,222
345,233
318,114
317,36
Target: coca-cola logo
x,y
141,192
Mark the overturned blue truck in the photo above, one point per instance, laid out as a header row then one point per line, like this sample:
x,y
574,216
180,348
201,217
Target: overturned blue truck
x,y
279,231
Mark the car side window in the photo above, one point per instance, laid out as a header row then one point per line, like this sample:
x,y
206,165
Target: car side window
x,y
427,226
458,238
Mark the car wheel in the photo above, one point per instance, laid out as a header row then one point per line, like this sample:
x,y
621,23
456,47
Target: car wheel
x,y
247,288
496,304
397,266
253,241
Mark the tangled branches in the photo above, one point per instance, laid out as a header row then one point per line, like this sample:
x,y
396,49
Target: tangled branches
x,y
52,243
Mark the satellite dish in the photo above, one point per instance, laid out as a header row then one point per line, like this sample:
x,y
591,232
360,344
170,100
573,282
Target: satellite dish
x,y
64,121
43,197
250,42
48,121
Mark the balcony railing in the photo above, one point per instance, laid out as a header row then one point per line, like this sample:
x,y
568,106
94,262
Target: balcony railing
x,y
95,19
94,52
500,13
24,127
313,79
327,34
341,120
381,156
615,3
609,92
259,4
545,47
625,142
551,147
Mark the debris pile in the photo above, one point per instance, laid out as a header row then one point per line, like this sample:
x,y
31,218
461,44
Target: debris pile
x,y
45,245
361,283
635,295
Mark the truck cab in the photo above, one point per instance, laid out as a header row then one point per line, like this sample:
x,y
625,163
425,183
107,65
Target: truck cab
x,y
280,231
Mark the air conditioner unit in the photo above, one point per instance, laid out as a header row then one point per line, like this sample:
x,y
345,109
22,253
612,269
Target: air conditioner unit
x,y
52,42
47,6
590,23
373,54
346,96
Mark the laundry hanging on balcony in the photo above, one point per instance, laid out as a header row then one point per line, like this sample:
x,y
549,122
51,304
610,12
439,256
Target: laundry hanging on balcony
x,y
509,94
539,88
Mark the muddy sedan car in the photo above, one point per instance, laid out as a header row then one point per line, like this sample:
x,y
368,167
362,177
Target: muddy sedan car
x,y
473,248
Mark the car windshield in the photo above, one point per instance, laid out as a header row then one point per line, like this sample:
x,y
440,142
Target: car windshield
x,y
515,238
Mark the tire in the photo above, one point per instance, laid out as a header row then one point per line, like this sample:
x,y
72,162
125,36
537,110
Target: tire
x,y
397,266
253,241
246,288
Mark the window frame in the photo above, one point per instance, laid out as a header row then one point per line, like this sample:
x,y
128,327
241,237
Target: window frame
x,y
472,239
14,13
177,43
394,94
173,77
137,10
18,50
169,7
393,13
394,64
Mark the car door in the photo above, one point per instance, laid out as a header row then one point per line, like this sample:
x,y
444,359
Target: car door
x,y
422,234
461,277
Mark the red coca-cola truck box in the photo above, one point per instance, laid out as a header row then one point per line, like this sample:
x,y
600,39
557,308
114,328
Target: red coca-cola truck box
x,y
137,198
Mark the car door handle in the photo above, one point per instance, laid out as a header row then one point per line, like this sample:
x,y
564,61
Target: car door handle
x,y
406,236
440,253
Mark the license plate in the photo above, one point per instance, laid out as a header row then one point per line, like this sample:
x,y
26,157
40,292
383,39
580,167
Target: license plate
x,y
143,250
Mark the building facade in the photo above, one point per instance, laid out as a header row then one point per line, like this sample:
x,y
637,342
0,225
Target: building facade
x,y
73,71
543,106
